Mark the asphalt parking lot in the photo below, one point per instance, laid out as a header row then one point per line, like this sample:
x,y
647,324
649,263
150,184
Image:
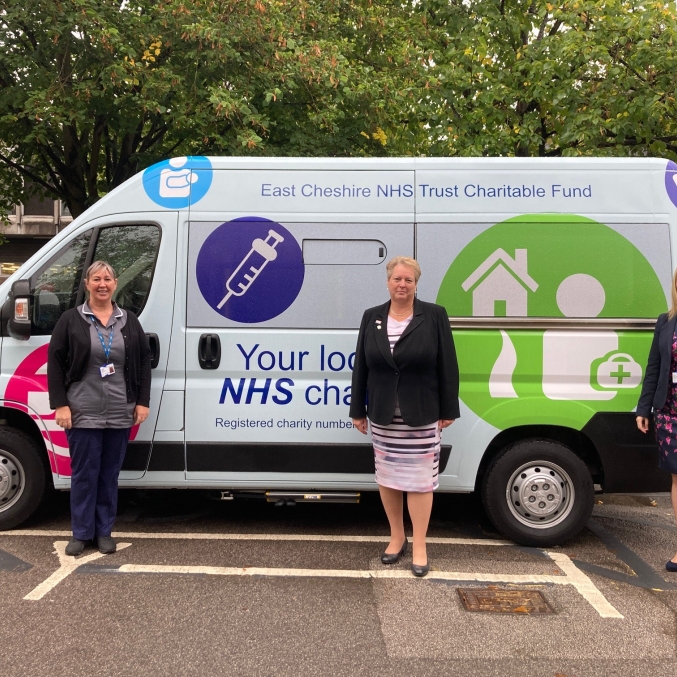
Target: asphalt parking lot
x,y
201,587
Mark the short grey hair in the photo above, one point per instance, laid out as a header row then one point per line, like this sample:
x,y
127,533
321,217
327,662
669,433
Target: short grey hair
x,y
97,265
403,261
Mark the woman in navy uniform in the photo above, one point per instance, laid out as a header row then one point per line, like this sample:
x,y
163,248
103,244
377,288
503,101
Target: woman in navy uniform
x,y
98,374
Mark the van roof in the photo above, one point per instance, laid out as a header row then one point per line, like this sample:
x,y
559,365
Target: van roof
x,y
134,184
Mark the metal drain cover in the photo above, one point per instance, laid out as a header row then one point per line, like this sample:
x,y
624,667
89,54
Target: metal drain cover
x,y
504,601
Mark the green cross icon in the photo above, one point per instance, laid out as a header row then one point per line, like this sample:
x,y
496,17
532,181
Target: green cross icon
x,y
620,374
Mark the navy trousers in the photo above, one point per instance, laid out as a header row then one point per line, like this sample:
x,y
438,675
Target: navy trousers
x,y
96,458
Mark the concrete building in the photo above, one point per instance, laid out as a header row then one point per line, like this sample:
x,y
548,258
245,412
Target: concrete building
x,y
30,226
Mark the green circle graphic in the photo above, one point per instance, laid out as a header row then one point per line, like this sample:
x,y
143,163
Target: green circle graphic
x,y
550,266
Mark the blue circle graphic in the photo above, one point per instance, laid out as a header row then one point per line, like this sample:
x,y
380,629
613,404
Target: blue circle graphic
x,y
250,269
178,182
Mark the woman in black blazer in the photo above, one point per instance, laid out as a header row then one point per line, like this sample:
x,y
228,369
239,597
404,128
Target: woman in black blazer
x,y
659,391
405,380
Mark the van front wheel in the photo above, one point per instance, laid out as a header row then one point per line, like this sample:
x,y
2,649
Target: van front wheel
x,y
538,493
22,478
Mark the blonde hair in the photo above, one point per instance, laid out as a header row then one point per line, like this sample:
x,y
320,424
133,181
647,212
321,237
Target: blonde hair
x,y
403,261
673,306
96,266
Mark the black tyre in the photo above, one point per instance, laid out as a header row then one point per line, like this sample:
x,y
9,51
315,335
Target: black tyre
x,y
23,477
538,493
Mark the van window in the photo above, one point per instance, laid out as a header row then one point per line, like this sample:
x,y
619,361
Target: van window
x,y
132,251
57,286
343,252
54,288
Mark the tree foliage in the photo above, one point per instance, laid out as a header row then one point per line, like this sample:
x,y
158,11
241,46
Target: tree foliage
x,y
91,91
528,77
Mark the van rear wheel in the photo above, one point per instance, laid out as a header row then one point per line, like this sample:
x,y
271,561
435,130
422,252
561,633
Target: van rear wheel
x,y
538,493
23,478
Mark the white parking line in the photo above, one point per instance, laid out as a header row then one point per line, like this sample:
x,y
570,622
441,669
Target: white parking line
x,y
334,573
584,585
572,575
67,566
261,537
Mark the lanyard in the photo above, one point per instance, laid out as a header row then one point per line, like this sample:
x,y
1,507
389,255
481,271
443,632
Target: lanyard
x,y
106,351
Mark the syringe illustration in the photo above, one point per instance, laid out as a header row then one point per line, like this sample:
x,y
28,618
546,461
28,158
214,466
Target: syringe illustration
x,y
258,257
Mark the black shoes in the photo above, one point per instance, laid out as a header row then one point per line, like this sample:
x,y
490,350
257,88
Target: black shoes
x,y
671,566
420,570
416,569
106,545
75,547
387,558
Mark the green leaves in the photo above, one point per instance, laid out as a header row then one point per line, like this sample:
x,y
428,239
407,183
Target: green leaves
x,y
91,91
537,78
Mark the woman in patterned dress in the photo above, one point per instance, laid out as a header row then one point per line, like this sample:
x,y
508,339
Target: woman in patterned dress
x,y
405,380
659,391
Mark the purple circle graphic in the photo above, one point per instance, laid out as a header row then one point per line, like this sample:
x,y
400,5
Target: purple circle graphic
x,y
250,269
671,181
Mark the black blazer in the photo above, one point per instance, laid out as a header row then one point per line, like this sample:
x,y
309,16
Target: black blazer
x,y
422,371
68,355
657,377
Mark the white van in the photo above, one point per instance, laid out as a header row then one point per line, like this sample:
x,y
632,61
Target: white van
x,y
251,275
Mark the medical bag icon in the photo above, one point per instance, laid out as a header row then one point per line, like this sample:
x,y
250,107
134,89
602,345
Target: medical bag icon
x,y
619,371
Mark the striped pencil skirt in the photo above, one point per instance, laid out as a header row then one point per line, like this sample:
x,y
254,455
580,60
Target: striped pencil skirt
x,y
407,458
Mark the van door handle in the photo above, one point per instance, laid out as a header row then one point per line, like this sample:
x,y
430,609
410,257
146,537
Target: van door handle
x,y
209,351
154,343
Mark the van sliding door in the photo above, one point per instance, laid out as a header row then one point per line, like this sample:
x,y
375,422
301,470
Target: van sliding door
x,y
272,316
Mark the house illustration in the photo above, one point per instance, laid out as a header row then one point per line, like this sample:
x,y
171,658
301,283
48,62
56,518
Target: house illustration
x,y
500,285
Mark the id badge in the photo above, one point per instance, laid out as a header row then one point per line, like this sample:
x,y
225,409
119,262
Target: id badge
x,y
107,370
674,376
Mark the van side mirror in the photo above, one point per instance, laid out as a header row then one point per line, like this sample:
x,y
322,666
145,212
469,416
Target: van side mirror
x,y
19,324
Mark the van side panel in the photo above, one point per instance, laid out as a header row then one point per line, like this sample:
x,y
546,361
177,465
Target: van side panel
x,y
265,267
277,402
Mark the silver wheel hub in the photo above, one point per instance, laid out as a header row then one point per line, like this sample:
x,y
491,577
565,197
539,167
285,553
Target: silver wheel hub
x,y
540,494
11,480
